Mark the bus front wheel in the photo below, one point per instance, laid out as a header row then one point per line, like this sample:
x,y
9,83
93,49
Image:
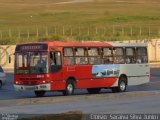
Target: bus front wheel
x,y
70,86
39,93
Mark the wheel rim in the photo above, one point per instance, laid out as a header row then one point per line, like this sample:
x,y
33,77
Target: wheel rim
x,y
122,86
70,88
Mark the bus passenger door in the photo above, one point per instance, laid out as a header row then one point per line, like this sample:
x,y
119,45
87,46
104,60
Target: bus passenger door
x,y
56,75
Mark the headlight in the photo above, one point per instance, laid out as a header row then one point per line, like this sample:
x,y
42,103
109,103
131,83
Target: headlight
x,y
43,81
16,82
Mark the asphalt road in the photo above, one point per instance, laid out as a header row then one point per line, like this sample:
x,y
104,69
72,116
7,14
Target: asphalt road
x,y
137,99
8,92
135,104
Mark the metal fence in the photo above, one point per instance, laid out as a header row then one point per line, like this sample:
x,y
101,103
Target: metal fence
x,y
78,32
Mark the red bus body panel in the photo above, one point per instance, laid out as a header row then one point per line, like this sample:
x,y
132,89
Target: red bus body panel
x,y
81,73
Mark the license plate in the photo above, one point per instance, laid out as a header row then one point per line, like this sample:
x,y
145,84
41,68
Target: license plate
x,y
30,88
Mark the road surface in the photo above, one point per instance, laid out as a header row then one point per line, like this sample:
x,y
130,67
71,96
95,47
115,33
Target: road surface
x,y
8,92
137,99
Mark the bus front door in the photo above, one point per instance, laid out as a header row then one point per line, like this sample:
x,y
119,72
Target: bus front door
x,y
56,70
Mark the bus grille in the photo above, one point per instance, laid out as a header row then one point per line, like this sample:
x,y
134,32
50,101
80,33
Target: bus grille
x,y
29,78
30,81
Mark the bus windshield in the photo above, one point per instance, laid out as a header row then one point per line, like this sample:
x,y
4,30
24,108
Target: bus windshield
x,y
31,63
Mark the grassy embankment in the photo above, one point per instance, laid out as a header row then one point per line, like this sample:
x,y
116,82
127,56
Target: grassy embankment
x,y
72,115
40,20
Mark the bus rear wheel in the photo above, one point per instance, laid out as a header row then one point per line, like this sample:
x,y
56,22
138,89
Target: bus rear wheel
x,y
122,85
39,93
70,87
93,90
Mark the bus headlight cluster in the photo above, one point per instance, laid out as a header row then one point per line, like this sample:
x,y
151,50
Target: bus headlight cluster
x,y
43,81
16,82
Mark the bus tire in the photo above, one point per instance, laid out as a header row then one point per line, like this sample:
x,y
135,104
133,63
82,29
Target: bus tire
x,y
39,93
0,84
93,90
122,85
70,87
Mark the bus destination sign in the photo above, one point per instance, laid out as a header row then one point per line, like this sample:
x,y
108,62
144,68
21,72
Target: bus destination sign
x,y
32,47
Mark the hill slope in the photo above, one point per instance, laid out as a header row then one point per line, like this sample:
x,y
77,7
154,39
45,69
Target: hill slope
x,y
29,20
15,13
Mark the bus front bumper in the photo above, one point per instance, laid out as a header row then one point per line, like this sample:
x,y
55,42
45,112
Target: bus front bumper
x,y
44,87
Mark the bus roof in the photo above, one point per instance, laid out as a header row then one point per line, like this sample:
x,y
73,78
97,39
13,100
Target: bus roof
x,y
128,44
79,44
71,44
89,44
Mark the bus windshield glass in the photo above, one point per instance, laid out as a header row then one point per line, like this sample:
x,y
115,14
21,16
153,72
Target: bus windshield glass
x,y
31,63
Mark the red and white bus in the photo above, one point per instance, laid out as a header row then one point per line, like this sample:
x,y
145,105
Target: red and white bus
x,y
66,66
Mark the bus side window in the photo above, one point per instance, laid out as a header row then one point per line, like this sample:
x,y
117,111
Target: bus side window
x,y
55,61
52,58
68,56
94,56
130,55
107,56
141,55
80,57
118,53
